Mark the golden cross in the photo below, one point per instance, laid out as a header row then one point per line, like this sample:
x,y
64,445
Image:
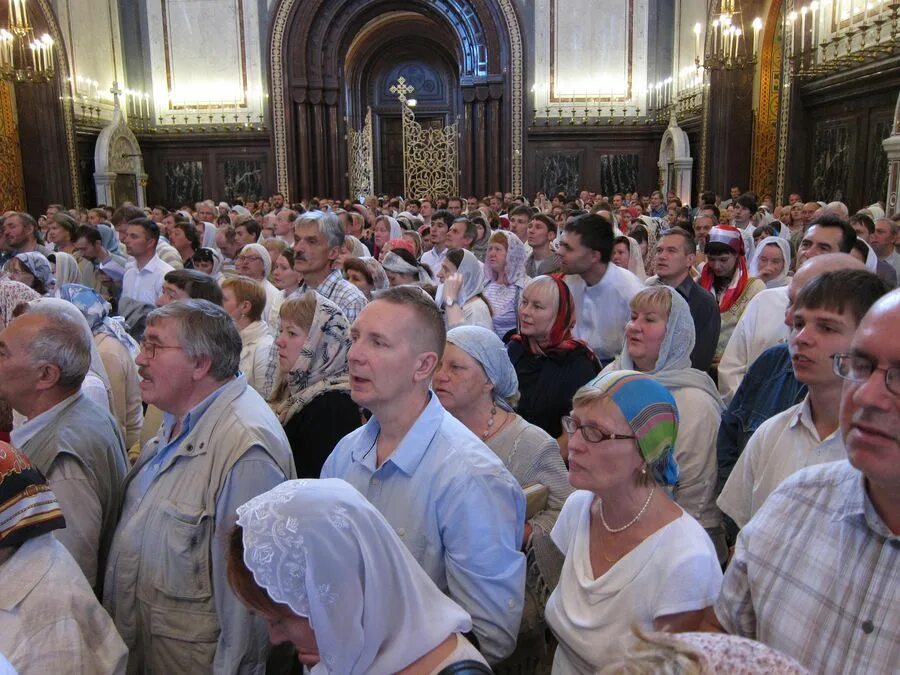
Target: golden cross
x,y
402,89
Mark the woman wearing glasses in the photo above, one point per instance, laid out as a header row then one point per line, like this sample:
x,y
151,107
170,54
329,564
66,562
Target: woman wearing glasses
x,y
633,556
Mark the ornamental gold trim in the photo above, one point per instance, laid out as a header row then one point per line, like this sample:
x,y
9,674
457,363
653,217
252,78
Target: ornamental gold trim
x,y
361,159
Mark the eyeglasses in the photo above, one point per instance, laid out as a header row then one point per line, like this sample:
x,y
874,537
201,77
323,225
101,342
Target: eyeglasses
x,y
590,433
857,368
149,348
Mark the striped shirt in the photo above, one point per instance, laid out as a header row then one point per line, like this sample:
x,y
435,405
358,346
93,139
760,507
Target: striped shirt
x,y
816,575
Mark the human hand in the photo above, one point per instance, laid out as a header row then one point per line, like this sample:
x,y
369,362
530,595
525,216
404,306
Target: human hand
x,y
452,286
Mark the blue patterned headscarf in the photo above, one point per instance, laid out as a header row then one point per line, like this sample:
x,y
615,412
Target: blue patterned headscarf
x,y
488,350
96,310
650,411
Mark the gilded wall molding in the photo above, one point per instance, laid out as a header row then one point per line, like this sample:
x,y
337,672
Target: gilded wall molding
x,y
277,77
12,188
766,139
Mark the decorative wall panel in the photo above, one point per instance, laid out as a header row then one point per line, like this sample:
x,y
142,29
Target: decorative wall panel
x,y
832,160
618,173
12,191
184,182
560,173
243,178
876,186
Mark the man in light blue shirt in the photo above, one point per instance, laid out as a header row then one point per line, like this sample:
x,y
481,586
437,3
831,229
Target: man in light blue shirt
x,y
448,496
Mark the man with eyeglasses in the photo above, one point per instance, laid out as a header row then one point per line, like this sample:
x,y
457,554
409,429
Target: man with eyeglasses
x,y
825,315
814,573
220,445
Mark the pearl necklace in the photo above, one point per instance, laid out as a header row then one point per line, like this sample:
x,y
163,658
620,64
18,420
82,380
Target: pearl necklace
x,y
640,513
490,424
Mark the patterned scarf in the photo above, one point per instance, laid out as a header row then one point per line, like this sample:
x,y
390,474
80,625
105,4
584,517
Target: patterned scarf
x,y
28,507
731,237
321,366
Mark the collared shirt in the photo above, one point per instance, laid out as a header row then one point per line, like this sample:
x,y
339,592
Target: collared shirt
x,y
816,575
340,291
145,284
535,268
894,260
602,310
781,446
768,388
434,259
25,432
456,508
761,326
706,316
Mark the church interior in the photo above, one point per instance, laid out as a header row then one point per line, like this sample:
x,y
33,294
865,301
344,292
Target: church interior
x,y
172,102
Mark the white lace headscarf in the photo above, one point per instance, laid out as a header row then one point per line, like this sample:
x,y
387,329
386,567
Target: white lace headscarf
x,y
785,246
319,547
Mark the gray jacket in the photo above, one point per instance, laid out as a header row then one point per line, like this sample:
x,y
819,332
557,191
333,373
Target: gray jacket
x,y
165,584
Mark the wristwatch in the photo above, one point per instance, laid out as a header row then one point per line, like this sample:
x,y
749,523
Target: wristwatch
x,y
450,302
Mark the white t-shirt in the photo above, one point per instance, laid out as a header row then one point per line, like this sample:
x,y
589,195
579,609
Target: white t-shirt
x,y
602,310
674,570
779,448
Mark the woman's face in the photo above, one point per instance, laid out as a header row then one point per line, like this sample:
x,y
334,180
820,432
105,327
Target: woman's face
x,y
177,238
538,307
621,255
642,245
770,262
479,228
297,631
855,252
608,464
459,380
283,274
382,232
447,268
359,280
203,266
17,272
496,257
290,343
345,252
644,336
57,234
398,279
230,304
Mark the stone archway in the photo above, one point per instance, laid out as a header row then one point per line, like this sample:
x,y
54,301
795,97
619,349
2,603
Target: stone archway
x,y
675,161
313,99
119,165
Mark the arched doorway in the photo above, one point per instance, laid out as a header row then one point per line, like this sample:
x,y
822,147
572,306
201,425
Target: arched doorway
x,y
330,58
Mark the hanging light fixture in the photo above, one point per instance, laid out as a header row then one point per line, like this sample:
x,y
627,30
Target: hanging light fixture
x,y
24,58
729,46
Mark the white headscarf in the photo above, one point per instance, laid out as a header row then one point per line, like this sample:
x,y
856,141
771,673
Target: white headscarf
x,y
66,270
473,280
785,246
673,367
394,263
396,230
871,257
636,259
209,235
261,251
319,547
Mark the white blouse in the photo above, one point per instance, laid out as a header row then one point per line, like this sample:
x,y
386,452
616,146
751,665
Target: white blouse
x,y
674,570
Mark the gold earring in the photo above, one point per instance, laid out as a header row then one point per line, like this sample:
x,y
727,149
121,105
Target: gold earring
x,y
644,471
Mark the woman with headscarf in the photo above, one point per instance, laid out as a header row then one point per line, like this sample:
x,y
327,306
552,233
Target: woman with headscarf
x,y
96,385
328,573
627,255
550,363
366,274
632,555
311,393
659,339
118,351
33,270
403,269
504,271
725,275
51,621
386,228
772,262
645,231
209,261
255,262
352,247
65,270
460,293
482,237
477,384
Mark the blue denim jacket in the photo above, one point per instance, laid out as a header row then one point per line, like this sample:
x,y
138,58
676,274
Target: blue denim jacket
x,y
768,388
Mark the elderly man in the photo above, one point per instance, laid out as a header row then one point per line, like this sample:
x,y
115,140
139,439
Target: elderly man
x,y
318,240
882,241
219,446
44,359
451,500
814,574
23,234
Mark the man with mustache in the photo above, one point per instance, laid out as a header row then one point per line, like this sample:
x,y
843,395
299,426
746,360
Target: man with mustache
x,y
824,317
814,573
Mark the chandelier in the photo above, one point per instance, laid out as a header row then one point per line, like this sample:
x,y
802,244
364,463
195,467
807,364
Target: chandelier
x,y
727,45
24,58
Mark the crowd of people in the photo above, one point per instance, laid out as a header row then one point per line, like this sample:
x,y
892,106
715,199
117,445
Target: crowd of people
x,y
577,434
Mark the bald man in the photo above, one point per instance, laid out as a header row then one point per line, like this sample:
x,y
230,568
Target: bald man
x,y
764,322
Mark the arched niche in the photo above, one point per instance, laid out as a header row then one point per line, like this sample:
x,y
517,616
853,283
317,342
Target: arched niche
x,y
314,97
675,162
119,164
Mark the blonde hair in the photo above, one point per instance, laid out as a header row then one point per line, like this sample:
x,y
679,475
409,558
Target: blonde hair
x,y
499,238
300,311
246,289
653,299
658,654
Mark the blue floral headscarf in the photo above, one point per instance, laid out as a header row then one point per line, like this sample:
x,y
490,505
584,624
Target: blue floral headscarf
x,y
96,310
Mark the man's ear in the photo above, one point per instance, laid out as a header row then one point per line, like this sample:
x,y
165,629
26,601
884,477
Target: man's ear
x,y
47,376
426,363
202,366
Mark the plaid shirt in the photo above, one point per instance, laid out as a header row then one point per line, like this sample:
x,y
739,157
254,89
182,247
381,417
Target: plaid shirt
x,y
340,291
816,575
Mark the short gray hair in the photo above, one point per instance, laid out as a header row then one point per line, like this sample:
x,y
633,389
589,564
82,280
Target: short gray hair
x,y
65,341
329,225
894,226
204,330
